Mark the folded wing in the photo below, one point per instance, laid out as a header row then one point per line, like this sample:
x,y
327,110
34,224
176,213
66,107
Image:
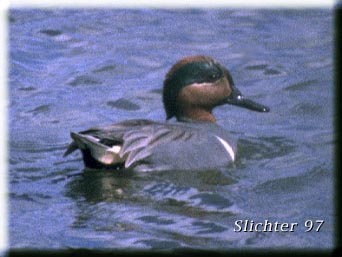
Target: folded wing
x,y
127,143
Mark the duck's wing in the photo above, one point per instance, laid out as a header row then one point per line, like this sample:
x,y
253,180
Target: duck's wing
x,y
110,132
127,142
138,144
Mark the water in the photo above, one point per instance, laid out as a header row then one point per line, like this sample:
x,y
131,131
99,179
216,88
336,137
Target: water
x,y
73,69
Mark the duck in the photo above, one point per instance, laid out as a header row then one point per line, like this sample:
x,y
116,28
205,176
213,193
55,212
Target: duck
x,y
192,88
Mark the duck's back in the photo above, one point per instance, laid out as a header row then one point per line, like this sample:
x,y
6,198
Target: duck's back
x,y
145,145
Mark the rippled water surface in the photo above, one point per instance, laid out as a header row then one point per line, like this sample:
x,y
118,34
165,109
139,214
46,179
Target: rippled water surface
x,y
73,69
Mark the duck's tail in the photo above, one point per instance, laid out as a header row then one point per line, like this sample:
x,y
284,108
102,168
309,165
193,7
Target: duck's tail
x,y
104,154
76,144
71,148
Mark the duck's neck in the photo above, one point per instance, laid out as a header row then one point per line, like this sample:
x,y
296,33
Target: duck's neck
x,y
196,114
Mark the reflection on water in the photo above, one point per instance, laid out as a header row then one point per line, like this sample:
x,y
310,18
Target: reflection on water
x,y
73,69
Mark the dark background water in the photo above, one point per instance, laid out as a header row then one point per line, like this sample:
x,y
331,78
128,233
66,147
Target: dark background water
x,y
70,69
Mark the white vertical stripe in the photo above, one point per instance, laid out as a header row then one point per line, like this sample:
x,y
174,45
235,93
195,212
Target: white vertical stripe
x,y
226,146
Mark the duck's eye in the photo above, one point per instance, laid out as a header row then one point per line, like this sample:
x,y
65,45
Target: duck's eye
x,y
213,76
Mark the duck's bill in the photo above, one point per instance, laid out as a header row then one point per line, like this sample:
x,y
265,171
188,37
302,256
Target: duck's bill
x,y
249,104
236,98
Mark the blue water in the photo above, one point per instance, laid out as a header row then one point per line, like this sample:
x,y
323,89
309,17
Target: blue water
x,y
73,69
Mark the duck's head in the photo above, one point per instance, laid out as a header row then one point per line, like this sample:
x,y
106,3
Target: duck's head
x,y
195,85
